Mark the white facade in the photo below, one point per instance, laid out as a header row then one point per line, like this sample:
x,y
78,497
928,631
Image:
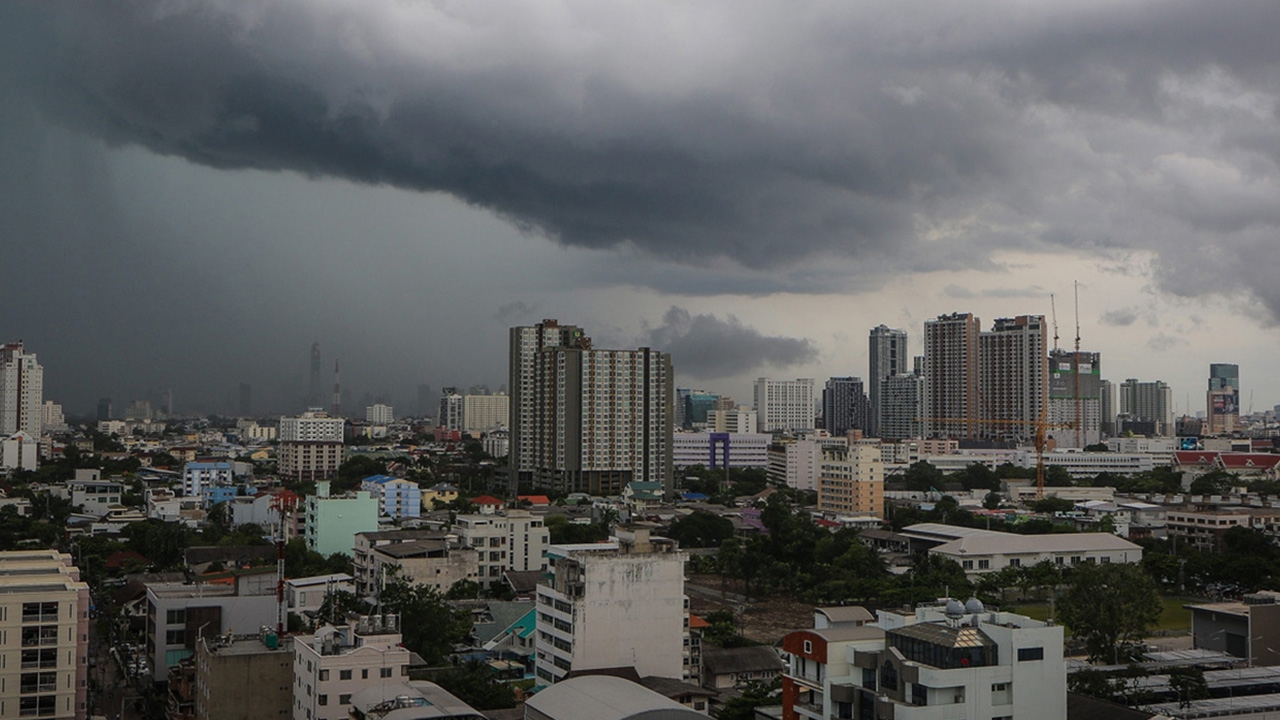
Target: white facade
x,y
340,661
517,540
450,415
784,404
741,419
743,449
21,391
198,477
852,480
798,462
19,451
379,414
311,426
610,605
51,417
95,496
308,593
485,412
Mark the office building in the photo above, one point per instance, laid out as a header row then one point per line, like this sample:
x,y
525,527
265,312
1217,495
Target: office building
x,y
1147,402
528,385
104,409
1013,378
845,406
1075,399
716,450
21,391
740,419
784,405
797,462
379,414
951,375
950,661
851,480
310,446
338,661
1222,402
697,404
1107,403
44,613
481,413
902,407
334,520
618,604
887,357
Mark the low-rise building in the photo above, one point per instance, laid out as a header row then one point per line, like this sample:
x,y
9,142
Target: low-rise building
x,y
180,613
307,594
398,499
244,676
333,520
434,563
198,477
95,497
952,661
338,661
851,480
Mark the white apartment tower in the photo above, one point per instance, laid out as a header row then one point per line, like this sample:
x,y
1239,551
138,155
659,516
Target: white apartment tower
x,y
310,446
887,357
379,414
618,604
481,413
902,407
21,391
1013,377
950,373
784,405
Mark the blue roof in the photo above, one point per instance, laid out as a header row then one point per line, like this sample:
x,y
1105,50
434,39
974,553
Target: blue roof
x,y
695,496
207,466
379,479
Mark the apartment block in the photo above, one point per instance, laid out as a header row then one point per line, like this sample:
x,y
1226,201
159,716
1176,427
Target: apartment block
x,y
44,636
333,520
339,661
784,405
851,480
310,446
227,665
397,498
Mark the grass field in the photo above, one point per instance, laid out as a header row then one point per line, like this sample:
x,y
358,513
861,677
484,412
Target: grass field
x,y
1173,619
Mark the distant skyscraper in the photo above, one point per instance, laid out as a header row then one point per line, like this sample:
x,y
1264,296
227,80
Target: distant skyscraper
x,y
315,395
1072,377
166,403
104,409
1013,377
379,414
1107,394
449,415
845,406
246,400
784,405
21,391
697,403
1150,402
887,357
951,375
1222,403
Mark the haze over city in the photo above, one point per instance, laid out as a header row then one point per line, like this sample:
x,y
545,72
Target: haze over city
x,y
194,193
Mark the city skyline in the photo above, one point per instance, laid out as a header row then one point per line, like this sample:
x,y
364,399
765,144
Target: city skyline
x,y
376,178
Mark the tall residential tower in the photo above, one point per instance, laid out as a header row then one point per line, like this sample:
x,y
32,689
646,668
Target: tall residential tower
x,y
887,357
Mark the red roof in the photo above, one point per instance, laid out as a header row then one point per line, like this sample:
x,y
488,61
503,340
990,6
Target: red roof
x,y
1249,460
1196,457
534,499
487,500
696,622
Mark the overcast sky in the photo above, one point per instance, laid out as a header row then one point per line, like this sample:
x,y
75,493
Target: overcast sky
x,y
191,193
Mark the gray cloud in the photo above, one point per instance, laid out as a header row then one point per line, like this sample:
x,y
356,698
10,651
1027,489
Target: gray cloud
x,y
1120,317
963,293
514,312
704,346
1164,342
911,138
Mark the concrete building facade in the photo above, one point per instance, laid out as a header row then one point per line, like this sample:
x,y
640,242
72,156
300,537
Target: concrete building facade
x,y
784,405
845,406
339,661
310,446
334,520
852,480
951,374
887,357
716,449
21,391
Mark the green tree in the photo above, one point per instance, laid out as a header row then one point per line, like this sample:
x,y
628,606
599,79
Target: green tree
x,y
923,476
1217,482
1110,607
1189,684
463,590
992,500
473,682
428,625
753,696
1052,504
700,530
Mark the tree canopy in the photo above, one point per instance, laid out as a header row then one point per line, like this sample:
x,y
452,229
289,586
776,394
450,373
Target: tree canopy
x,y
1110,607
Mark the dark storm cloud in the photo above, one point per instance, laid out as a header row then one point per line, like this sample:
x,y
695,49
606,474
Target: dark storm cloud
x,y
900,137
706,347
963,293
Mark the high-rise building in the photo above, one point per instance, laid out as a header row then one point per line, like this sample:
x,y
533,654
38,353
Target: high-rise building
x,y
1075,399
52,418
310,446
21,390
784,405
584,419
902,407
449,415
104,409
1013,377
1107,396
1148,402
527,384
851,480
246,400
485,412
887,357
1223,399
697,404
315,391
612,605
845,406
951,375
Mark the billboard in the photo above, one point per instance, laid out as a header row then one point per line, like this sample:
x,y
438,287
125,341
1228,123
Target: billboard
x,y
1224,402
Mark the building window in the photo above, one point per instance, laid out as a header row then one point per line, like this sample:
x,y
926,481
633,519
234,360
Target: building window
x,y
1030,653
344,699
175,637
322,699
1015,562
966,564
176,616
344,674
984,564
364,673
888,676
808,646
324,675
384,672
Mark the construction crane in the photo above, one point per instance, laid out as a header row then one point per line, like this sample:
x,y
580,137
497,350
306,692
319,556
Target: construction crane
x,y
1041,425
1079,403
